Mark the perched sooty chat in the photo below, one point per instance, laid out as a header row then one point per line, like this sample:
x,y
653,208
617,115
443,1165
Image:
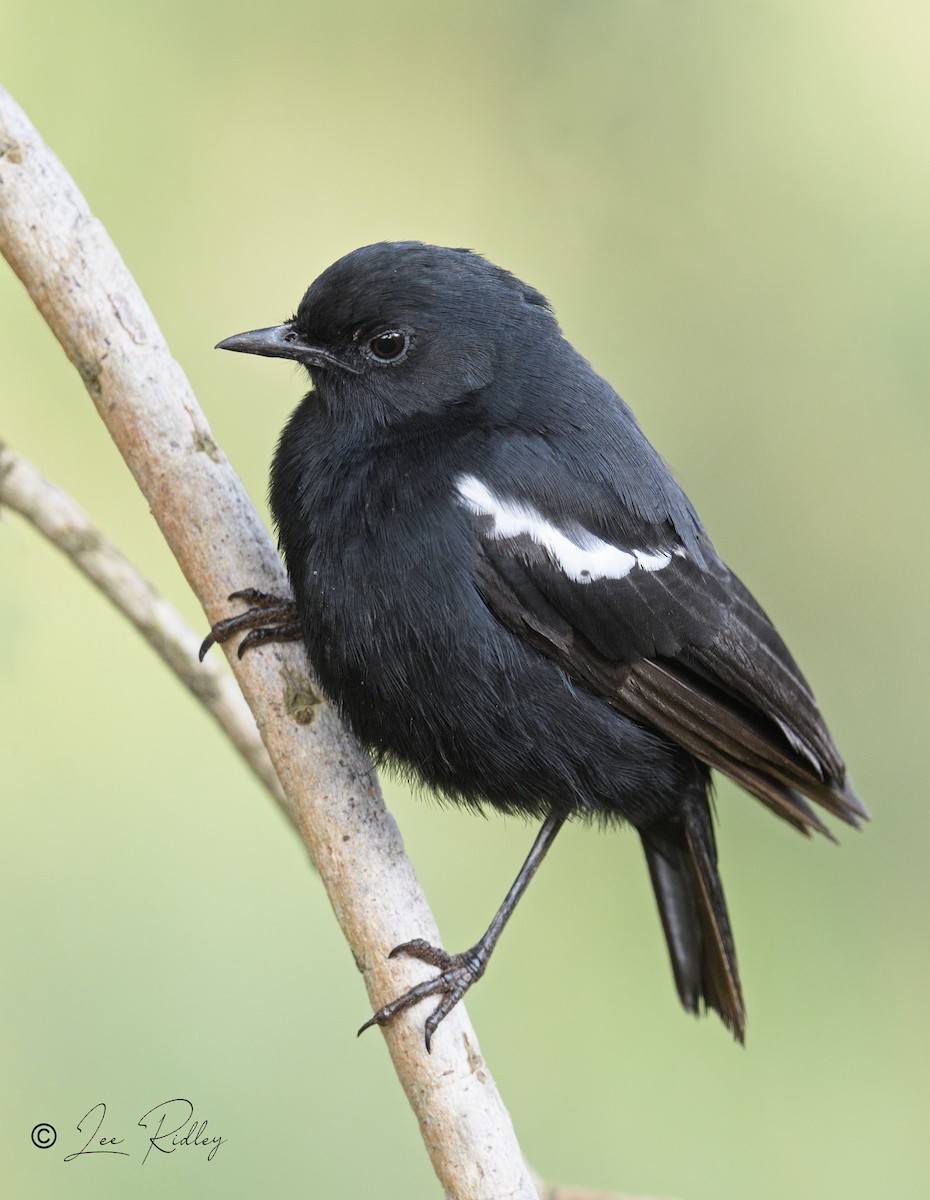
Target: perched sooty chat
x,y
507,594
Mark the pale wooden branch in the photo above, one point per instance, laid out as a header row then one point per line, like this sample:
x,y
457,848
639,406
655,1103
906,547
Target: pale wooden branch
x,y
67,526
83,290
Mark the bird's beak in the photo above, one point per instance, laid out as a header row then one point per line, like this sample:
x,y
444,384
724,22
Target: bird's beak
x,y
283,341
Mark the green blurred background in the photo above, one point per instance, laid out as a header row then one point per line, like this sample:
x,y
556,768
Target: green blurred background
x,y
728,205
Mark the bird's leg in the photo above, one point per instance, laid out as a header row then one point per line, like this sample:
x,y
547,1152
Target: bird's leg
x,y
268,619
459,971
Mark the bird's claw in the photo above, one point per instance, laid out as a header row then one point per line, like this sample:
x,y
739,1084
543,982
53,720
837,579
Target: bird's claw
x,y
268,618
457,973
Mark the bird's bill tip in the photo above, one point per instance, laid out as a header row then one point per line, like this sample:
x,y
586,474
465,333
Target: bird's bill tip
x,y
277,341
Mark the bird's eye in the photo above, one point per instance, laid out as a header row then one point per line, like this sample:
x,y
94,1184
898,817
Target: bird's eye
x,y
389,345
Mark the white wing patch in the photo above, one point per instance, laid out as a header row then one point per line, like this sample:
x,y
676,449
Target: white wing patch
x,y
582,555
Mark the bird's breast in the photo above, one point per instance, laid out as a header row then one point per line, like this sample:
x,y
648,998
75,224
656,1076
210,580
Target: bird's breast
x,y
383,578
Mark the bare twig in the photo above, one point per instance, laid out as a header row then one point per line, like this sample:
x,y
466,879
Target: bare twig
x,y
76,278
66,525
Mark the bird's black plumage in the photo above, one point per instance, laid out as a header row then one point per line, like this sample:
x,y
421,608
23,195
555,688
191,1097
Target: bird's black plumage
x,y
506,592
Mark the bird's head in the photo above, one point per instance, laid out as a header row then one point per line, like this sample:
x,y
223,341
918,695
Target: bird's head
x,y
405,328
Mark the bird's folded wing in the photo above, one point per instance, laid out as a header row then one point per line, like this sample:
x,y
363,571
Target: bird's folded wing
x,y
676,644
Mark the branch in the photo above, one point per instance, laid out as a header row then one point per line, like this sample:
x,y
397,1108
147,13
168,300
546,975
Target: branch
x,y
68,527
86,295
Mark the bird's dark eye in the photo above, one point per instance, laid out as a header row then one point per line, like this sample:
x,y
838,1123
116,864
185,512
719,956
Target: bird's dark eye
x,y
389,345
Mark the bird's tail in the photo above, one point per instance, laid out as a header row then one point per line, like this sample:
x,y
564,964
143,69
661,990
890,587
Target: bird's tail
x,y
682,858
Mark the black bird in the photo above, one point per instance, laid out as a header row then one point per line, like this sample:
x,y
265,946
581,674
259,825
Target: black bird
x,y
507,594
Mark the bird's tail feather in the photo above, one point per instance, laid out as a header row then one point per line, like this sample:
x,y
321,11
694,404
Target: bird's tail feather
x,y
682,860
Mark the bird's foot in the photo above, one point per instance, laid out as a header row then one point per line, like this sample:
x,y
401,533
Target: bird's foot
x,y
268,619
457,973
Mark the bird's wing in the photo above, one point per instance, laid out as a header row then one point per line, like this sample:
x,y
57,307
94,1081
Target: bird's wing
x,y
665,633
